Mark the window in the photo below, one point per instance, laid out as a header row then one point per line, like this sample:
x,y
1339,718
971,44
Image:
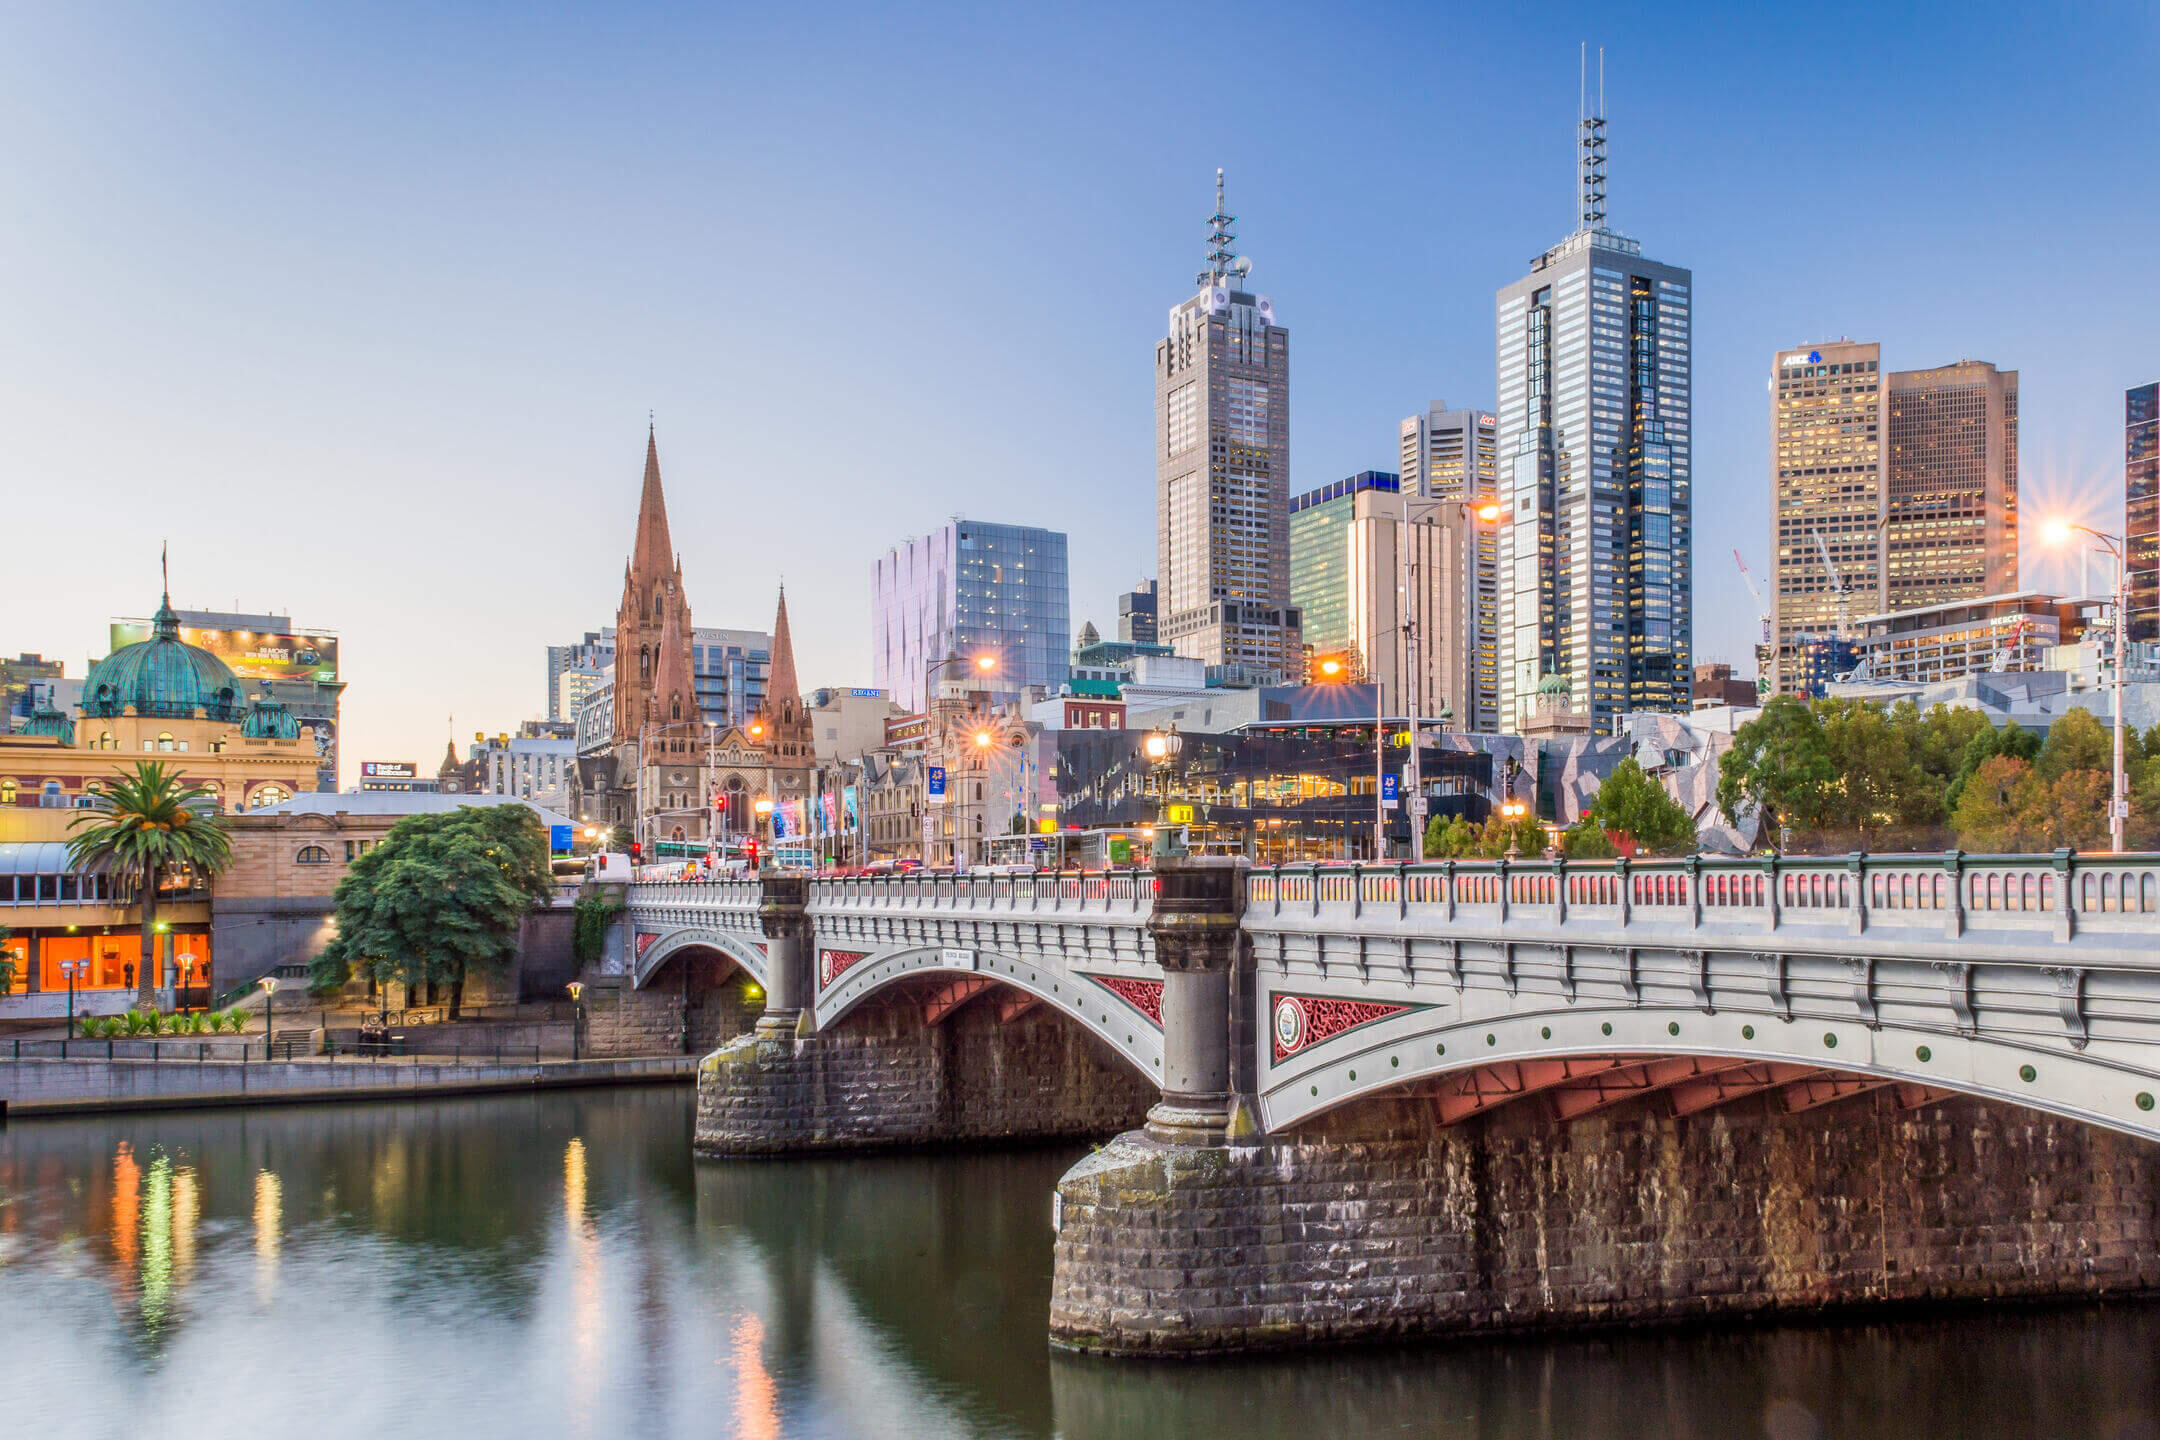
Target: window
x,y
8,789
269,795
164,740
312,855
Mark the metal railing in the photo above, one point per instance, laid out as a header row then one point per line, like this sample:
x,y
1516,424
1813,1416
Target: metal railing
x,y
2060,893
244,1052
1073,891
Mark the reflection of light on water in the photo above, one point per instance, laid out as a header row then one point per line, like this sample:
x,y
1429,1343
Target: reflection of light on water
x,y
126,1196
157,1258
586,1310
757,1409
269,1217
186,1212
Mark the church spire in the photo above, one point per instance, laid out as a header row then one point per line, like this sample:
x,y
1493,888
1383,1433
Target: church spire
x,y
674,698
652,554
780,686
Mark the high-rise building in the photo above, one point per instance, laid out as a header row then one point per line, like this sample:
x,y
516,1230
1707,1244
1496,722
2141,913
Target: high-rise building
x,y
1350,569
727,670
1827,480
1950,507
1136,615
2141,509
1452,455
1595,469
1222,468
972,589
594,653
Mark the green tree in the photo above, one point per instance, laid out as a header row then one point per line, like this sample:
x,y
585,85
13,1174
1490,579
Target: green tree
x,y
440,899
147,825
7,962
1940,736
1630,803
1452,838
2077,740
1995,812
1586,840
1524,835
1778,764
2013,740
1880,785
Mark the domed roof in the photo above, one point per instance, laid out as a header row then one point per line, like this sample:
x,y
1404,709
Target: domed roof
x,y
163,677
269,720
45,720
1555,685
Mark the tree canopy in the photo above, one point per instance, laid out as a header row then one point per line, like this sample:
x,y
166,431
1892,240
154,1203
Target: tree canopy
x,y
1632,805
442,897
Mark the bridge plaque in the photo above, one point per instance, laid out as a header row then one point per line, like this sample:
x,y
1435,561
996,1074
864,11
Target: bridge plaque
x,y
957,959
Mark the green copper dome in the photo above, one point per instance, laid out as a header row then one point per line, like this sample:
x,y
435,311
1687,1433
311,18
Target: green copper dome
x,y
163,677
1555,685
270,720
45,720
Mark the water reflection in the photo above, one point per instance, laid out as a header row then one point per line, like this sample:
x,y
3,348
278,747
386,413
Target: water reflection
x,y
558,1265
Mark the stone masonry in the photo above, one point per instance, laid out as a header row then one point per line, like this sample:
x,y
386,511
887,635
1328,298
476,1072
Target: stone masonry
x,y
623,1021
1376,1224
885,1078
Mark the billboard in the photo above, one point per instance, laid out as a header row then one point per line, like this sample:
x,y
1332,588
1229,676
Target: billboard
x,y
389,770
253,654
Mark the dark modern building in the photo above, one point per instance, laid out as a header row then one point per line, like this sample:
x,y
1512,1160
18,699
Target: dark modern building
x,y
1136,614
2141,509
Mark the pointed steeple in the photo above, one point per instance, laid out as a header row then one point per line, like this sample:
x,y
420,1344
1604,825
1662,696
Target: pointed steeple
x,y
780,686
652,554
674,697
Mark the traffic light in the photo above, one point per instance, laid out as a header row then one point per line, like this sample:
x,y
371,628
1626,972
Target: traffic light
x,y
752,855
636,851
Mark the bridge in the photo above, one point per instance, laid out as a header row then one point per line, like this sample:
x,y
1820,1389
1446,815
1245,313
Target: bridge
x,y
1270,1014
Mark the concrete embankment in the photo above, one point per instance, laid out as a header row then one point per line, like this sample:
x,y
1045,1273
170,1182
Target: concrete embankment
x,y
74,1086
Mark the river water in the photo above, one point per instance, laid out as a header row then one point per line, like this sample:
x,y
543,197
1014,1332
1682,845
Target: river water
x,y
559,1265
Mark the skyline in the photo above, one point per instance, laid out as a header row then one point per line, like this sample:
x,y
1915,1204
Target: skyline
x,y
437,272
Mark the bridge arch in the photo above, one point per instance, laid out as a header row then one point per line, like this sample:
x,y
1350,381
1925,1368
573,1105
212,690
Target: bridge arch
x,y
1115,1013
745,954
1598,1054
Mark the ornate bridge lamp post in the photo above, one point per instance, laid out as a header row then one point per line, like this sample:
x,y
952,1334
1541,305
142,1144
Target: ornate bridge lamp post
x,y
269,988
1162,748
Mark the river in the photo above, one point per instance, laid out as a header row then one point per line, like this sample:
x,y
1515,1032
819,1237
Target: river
x,y
559,1265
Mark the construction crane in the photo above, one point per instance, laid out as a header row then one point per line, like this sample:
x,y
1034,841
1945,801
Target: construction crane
x,y
1837,587
1755,590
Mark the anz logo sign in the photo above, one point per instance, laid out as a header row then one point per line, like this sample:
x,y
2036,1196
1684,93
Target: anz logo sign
x,y
1801,357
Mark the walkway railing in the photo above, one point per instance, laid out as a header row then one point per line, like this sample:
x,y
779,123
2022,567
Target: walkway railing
x,y
2063,893
1131,892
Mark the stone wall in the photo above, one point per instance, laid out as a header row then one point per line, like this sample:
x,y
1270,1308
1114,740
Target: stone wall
x,y
1375,1224
620,1020
883,1078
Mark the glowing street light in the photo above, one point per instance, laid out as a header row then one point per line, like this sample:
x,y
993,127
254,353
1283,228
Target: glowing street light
x,y
2058,532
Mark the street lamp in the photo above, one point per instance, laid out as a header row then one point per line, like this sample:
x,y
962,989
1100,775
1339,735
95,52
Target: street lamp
x,y
2057,532
1161,748
269,988
763,807
577,1018
72,968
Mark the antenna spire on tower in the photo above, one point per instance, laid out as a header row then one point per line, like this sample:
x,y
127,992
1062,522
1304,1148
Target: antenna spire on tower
x,y
1592,127
1220,237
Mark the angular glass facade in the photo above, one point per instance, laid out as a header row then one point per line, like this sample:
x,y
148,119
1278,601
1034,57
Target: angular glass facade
x,y
973,588
2141,509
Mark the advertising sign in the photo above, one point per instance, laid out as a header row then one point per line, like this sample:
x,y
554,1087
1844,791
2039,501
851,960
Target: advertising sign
x,y
253,654
559,839
389,770
1179,814
1390,790
937,784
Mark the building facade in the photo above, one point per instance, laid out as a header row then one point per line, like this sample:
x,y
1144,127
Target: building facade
x,y
1985,634
1136,619
970,589
1595,469
2141,509
1950,507
1331,564
1222,494
1453,456
1829,473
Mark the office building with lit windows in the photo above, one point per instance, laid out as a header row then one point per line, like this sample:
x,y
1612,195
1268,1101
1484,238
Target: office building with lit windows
x,y
1827,480
1595,471
1222,466
2141,509
972,589
1452,456
1950,505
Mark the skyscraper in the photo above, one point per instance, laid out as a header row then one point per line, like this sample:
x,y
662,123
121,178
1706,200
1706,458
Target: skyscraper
x,y
1222,469
972,588
2141,509
1828,470
1452,456
1950,509
1136,615
1594,467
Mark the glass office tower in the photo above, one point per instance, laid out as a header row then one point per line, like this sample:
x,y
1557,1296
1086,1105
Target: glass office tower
x,y
970,589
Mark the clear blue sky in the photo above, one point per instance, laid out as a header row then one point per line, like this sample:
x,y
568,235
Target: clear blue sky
x,y
365,310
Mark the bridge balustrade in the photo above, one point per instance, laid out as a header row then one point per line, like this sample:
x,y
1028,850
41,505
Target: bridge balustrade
x,y
1130,891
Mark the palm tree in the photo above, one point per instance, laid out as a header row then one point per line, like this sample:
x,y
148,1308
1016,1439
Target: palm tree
x,y
144,825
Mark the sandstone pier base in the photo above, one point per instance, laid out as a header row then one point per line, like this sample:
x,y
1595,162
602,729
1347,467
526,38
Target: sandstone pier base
x,y
883,1078
1375,1224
